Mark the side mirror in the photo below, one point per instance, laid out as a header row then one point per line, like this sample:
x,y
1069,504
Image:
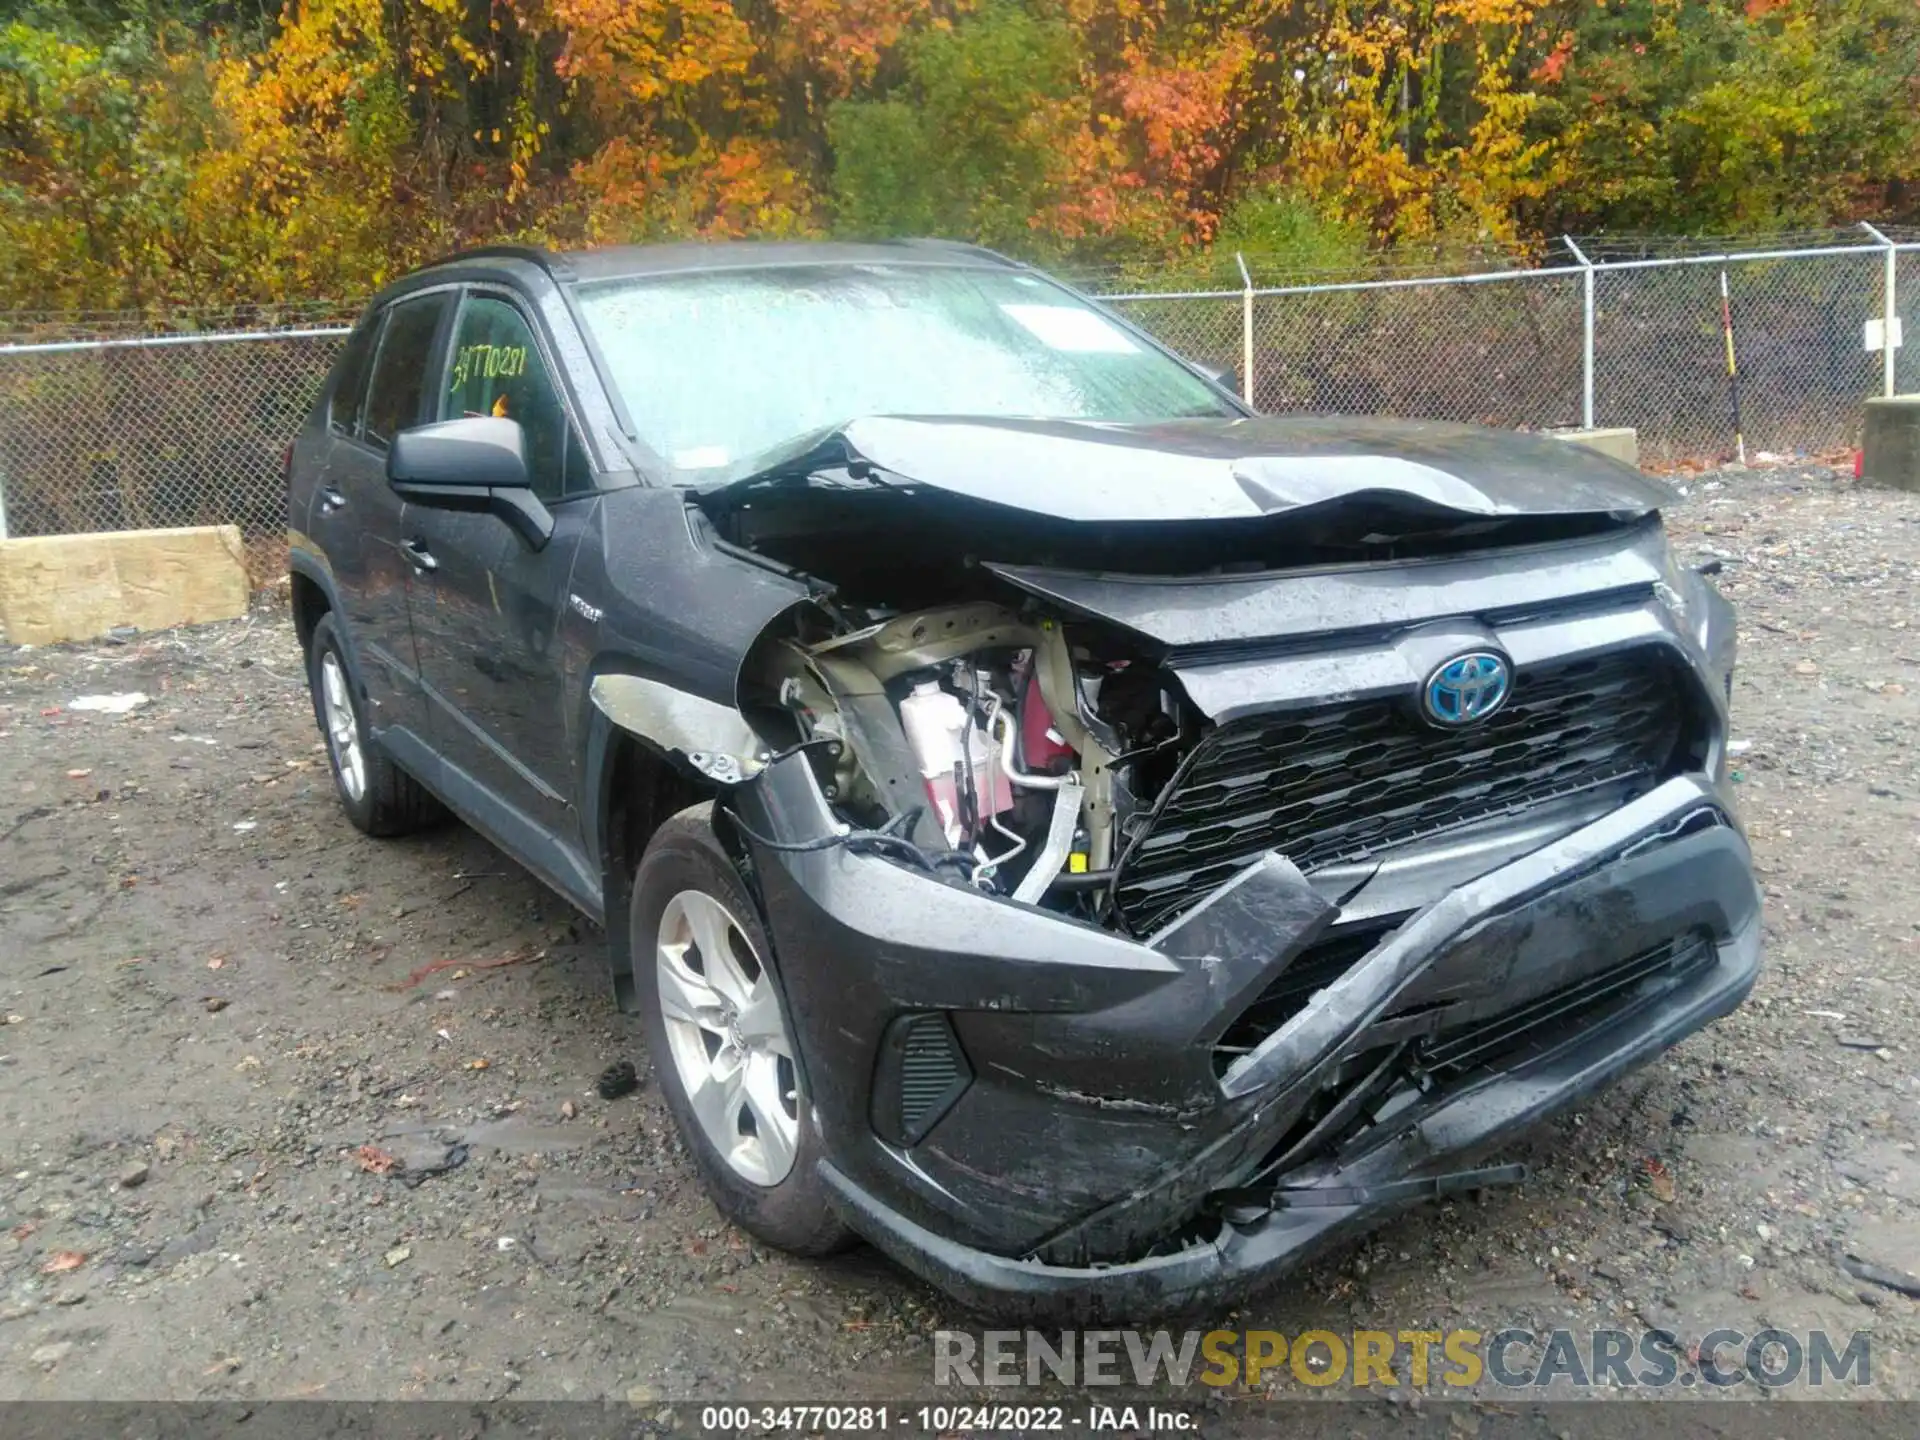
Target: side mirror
x,y
477,464
479,451
1226,377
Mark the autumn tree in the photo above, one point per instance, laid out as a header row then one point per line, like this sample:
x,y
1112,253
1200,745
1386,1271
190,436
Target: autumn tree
x,y
160,152
1722,115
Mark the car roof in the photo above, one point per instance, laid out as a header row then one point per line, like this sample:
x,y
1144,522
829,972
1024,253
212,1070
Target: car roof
x,y
619,262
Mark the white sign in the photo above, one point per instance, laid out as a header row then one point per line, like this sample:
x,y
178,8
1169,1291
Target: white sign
x,y
1877,332
1063,327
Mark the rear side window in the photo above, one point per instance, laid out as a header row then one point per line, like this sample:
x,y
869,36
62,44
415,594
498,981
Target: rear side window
x,y
349,396
400,369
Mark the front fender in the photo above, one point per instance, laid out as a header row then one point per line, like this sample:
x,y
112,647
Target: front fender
x,y
711,740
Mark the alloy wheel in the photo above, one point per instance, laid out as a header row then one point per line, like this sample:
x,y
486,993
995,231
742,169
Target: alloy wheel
x,y
343,727
728,1040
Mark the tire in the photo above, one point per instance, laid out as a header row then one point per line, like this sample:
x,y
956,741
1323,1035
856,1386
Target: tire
x,y
758,1165
378,796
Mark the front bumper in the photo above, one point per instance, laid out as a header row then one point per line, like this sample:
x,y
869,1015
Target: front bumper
x,y
1242,1258
1096,1125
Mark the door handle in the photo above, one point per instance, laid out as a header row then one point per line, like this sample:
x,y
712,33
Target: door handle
x,y
419,556
331,500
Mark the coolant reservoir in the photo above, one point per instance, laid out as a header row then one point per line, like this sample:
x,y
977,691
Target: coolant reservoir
x,y
934,722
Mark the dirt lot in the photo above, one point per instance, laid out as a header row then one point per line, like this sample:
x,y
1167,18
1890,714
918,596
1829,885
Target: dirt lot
x,y
216,992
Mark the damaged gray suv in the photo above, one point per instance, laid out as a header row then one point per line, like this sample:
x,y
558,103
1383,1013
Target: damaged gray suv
x,y
1091,841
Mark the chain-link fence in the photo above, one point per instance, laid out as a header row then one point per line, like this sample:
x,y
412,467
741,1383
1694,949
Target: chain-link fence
x,y
1799,334
1519,346
105,425
131,435
1496,352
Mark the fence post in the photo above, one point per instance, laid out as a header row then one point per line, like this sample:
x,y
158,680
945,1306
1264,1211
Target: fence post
x,y
1586,378
1888,353
1246,331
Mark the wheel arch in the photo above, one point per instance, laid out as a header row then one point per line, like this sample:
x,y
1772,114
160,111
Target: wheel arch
x,y
632,789
310,602
312,594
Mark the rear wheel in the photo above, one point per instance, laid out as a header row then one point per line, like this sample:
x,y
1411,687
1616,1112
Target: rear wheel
x,y
378,796
717,1027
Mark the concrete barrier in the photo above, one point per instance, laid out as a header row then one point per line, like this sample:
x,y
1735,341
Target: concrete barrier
x,y
1622,443
1890,444
77,587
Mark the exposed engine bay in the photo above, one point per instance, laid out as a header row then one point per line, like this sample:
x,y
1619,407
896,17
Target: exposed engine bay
x,y
986,743
1008,701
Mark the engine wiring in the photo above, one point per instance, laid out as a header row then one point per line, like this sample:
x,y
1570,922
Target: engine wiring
x,y
1000,733
882,841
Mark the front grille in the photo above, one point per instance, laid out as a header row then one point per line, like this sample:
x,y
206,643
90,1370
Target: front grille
x,y
1352,782
1311,972
1533,1029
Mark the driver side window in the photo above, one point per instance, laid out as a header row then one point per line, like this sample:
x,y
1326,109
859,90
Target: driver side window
x,y
494,368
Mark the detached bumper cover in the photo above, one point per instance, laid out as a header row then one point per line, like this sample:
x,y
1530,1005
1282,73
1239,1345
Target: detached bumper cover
x,y
1098,1121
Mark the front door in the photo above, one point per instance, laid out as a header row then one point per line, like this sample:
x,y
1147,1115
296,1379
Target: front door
x,y
487,622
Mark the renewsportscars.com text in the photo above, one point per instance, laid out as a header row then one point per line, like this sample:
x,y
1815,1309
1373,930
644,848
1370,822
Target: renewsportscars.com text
x,y
1453,1359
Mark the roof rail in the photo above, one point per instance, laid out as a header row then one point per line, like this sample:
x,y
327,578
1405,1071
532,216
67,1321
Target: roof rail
x,y
554,265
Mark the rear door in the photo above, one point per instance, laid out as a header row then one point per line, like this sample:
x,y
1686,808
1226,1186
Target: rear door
x,y
487,627
356,517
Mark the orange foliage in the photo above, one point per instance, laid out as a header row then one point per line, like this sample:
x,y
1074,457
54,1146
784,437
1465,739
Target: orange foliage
x,y
356,137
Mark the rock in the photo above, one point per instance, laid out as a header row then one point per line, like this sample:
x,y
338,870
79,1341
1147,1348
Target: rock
x,y
195,1242
48,1356
135,1175
111,704
642,1395
398,1254
618,1080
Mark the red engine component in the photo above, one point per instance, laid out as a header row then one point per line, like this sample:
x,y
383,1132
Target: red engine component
x,y
1041,747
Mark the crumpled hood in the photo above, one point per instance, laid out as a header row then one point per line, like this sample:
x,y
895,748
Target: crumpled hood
x,y
1227,469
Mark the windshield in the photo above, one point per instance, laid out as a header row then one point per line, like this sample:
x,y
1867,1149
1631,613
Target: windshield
x,y
722,366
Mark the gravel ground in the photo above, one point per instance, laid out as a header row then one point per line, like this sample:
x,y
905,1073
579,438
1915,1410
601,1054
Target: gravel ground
x,y
216,993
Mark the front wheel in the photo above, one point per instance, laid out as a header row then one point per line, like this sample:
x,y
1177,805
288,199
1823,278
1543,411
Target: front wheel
x,y
717,1027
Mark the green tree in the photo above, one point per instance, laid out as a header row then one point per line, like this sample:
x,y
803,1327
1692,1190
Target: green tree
x,y
976,141
1721,115
91,186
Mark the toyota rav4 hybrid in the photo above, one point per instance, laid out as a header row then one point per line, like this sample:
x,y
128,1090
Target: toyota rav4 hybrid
x,y
1094,842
